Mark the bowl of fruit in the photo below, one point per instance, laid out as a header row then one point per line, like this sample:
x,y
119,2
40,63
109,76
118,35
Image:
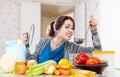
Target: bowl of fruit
x,y
92,63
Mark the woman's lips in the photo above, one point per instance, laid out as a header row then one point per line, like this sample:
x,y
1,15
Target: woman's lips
x,y
70,36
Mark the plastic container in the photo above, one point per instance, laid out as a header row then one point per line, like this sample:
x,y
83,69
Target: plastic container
x,y
109,56
16,47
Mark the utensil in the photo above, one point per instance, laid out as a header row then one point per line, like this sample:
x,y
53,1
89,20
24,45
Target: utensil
x,y
81,40
31,34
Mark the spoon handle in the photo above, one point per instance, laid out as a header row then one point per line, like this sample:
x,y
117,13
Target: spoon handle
x,y
86,33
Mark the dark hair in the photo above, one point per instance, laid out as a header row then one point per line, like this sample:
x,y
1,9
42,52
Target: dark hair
x,y
50,31
57,24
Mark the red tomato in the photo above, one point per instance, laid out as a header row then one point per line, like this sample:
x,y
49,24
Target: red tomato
x,y
26,62
97,59
93,60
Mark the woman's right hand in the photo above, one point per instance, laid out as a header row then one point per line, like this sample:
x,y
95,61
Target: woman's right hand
x,y
31,63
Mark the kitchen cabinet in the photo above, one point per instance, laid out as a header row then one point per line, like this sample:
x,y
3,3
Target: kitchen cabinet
x,y
62,2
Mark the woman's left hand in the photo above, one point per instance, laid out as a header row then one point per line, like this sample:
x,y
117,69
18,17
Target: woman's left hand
x,y
93,23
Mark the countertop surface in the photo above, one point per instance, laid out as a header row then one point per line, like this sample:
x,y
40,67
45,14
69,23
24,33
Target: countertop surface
x,y
112,73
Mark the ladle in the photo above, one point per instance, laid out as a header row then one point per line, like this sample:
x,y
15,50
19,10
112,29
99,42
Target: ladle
x,y
81,40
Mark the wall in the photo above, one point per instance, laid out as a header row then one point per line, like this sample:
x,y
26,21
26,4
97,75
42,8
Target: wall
x,y
9,22
46,20
109,27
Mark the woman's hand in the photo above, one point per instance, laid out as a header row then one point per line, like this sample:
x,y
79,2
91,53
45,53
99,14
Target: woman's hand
x,y
93,23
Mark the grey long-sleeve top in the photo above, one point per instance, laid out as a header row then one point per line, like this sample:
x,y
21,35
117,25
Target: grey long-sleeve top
x,y
70,47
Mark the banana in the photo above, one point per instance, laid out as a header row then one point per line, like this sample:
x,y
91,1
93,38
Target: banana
x,y
82,73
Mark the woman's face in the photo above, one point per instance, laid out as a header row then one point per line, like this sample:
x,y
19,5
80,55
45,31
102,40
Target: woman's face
x,y
66,31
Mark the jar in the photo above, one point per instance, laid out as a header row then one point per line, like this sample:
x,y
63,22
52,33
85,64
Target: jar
x,y
20,68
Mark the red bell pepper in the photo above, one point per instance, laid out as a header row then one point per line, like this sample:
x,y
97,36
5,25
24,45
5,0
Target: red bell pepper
x,y
81,58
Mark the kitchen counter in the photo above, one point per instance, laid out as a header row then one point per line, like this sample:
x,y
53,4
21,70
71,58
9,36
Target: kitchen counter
x,y
111,73
114,73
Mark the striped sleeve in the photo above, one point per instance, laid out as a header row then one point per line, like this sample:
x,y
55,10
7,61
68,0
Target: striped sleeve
x,y
38,48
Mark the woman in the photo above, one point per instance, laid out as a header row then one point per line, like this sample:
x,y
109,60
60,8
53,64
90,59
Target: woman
x,y
59,46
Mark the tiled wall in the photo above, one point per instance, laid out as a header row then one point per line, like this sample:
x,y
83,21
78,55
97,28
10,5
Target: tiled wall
x,y
9,21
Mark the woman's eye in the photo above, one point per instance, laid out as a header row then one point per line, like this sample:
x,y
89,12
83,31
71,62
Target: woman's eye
x,y
72,28
67,27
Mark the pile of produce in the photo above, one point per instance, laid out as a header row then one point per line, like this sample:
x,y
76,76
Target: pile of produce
x,y
50,67
64,67
47,67
83,58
